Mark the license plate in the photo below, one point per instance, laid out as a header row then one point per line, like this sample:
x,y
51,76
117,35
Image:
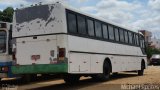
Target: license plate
x,y
35,57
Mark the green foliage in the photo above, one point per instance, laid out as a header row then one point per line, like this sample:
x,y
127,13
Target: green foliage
x,y
1,15
7,14
151,51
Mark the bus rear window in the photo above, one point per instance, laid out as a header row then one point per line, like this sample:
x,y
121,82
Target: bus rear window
x,y
31,13
2,41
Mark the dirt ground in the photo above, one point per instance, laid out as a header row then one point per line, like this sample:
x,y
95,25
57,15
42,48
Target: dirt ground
x,y
122,81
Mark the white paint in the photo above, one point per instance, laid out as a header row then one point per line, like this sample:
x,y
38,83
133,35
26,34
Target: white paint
x,y
34,28
39,46
119,63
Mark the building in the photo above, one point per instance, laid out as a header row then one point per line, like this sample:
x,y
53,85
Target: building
x,y
147,36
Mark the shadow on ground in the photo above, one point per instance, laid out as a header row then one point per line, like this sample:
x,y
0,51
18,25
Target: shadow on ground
x,y
80,85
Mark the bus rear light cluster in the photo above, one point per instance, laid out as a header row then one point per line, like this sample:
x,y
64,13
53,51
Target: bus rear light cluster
x,y
62,53
4,69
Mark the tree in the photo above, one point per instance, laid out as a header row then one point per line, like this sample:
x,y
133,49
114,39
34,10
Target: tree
x,y
1,15
7,14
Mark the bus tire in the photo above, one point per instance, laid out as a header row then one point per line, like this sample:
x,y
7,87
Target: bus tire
x,y
141,72
71,79
26,79
115,73
106,73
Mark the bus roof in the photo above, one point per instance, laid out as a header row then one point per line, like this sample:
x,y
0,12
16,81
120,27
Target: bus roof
x,y
87,14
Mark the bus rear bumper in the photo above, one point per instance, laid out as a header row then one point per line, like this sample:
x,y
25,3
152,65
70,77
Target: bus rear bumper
x,y
40,69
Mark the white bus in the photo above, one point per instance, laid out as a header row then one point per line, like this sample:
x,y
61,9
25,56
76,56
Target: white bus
x,y
5,50
57,39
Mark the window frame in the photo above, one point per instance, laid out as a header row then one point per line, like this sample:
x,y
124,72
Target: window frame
x,y
5,41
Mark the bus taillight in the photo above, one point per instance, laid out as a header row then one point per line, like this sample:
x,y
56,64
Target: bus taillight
x,y
4,69
62,52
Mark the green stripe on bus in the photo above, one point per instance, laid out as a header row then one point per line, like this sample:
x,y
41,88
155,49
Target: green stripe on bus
x,y
40,69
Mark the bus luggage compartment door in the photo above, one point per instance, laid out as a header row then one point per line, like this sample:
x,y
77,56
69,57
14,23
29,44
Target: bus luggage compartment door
x,y
79,63
36,50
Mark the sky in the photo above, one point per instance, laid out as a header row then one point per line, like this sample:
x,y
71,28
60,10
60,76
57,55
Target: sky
x,y
134,14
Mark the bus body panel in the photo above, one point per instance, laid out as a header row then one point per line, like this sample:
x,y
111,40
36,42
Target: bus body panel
x,y
49,33
123,57
47,49
79,63
29,47
82,44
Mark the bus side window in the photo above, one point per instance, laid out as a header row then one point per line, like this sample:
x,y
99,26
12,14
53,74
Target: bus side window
x,y
116,34
121,35
137,39
134,39
98,29
111,32
3,36
126,36
105,31
72,26
81,25
90,27
130,37
142,44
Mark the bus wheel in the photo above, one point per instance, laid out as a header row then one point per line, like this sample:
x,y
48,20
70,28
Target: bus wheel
x,y
71,79
141,72
26,79
115,73
106,73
